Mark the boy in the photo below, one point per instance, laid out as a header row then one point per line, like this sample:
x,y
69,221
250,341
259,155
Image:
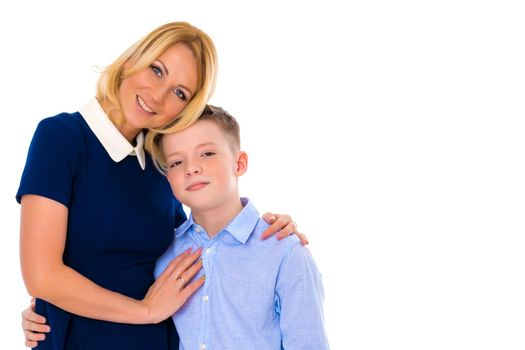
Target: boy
x,y
257,295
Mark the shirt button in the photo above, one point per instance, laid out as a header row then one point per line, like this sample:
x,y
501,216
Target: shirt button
x,y
208,251
203,346
198,229
205,298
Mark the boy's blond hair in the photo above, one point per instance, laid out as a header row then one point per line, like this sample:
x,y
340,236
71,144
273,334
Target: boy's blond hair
x,y
219,116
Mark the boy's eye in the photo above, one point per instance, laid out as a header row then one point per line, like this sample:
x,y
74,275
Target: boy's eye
x,y
156,70
208,154
175,163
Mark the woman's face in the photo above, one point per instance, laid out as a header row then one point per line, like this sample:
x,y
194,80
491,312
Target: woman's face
x,y
156,95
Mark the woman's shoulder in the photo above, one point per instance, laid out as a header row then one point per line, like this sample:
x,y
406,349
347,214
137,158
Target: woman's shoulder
x,y
64,131
62,123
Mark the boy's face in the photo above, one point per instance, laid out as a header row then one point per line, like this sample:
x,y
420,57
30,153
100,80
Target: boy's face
x,y
202,167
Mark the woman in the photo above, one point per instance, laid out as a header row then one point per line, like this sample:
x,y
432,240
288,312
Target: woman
x,y
95,213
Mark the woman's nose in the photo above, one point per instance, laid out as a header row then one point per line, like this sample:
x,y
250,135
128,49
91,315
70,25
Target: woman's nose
x,y
159,93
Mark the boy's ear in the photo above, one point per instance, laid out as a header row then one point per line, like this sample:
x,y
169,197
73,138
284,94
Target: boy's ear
x,y
241,163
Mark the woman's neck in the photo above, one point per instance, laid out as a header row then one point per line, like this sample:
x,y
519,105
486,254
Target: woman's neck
x,y
125,129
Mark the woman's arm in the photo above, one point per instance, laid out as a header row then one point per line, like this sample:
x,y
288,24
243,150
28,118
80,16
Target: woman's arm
x,y
281,224
43,235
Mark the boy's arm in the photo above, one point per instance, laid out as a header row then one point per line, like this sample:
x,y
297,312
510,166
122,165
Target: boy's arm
x,y
299,294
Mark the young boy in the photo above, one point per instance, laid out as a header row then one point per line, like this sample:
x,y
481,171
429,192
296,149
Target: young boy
x,y
257,295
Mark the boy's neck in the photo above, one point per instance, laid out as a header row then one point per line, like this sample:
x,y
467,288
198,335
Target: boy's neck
x,y
214,219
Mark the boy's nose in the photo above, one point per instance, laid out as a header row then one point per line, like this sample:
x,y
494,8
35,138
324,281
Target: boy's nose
x,y
193,171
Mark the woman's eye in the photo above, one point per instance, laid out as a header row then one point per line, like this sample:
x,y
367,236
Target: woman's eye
x,y
156,70
175,163
208,154
180,94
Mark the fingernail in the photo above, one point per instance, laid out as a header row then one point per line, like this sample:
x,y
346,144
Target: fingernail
x,y
199,250
203,277
272,218
187,250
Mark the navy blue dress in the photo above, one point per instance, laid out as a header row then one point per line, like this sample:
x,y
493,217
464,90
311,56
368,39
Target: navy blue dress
x,y
121,219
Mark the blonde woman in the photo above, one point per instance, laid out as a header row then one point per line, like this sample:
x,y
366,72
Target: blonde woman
x,y
96,214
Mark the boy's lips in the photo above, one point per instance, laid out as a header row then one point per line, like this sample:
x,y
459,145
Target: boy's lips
x,y
197,186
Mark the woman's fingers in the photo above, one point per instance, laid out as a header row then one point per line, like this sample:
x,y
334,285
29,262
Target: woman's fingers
x,y
287,230
302,237
31,336
29,314
280,222
187,275
269,218
291,229
31,344
181,263
184,264
192,287
169,270
282,226
35,327
171,290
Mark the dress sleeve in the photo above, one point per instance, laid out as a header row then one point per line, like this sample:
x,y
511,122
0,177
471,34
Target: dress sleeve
x,y
180,215
52,161
299,302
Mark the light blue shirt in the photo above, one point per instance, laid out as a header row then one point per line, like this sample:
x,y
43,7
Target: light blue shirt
x,y
259,295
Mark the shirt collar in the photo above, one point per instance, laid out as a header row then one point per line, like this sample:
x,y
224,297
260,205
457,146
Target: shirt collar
x,y
110,137
240,227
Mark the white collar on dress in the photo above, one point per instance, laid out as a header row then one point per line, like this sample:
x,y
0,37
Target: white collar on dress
x,y
110,137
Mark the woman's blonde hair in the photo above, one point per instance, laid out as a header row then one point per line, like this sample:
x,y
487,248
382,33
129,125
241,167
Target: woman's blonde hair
x,y
140,56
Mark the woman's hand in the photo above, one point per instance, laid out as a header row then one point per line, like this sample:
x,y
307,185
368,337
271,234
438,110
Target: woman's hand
x,y
283,226
34,326
171,290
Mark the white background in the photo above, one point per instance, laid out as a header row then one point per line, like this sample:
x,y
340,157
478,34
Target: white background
x,y
392,131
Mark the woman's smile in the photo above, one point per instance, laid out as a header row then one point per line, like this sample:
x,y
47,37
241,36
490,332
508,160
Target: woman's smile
x,y
144,106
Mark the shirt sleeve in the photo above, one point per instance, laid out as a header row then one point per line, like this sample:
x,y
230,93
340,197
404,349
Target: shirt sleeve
x,y
299,302
51,163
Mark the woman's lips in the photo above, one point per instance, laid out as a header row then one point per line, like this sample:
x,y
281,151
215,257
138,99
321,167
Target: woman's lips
x,y
143,106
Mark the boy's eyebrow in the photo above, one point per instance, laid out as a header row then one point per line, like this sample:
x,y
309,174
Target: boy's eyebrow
x,y
197,146
168,72
206,144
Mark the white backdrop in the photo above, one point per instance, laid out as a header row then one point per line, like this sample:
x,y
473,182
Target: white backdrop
x,y
392,131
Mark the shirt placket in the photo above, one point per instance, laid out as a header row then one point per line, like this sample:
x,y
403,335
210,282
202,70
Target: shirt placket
x,y
208,259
